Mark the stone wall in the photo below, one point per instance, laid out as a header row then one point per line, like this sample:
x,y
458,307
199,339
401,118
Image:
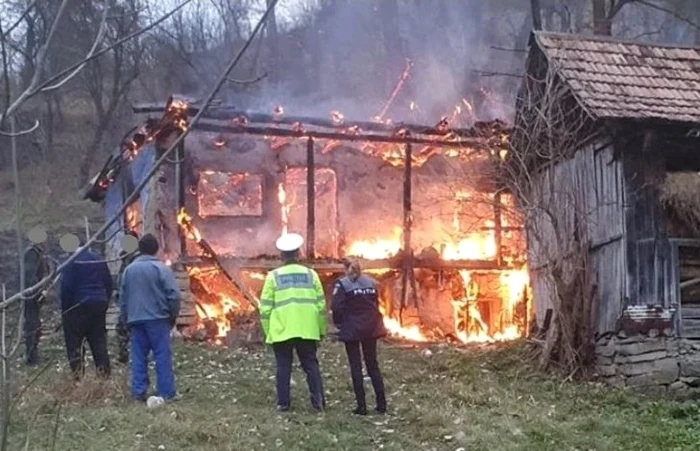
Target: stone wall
x,y
652,364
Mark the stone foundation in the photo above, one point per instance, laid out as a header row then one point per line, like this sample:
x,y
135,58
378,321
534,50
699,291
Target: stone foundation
x,y
656,365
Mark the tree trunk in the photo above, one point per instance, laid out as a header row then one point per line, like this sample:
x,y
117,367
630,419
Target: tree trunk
x,y
536,11
602,22
89,155
273,44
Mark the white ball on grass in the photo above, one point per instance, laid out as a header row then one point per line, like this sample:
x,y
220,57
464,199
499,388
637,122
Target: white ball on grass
x,y
154,401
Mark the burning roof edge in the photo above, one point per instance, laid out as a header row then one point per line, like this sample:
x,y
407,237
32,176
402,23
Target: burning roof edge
x,y
336,122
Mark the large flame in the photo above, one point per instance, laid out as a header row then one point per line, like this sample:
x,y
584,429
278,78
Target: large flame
x,y
394,327
377,249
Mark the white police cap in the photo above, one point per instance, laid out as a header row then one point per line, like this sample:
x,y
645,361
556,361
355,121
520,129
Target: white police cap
x,y
289,242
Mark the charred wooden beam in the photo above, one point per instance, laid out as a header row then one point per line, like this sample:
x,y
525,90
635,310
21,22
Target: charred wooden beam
x,y
227,113
180,192
310,199
407,222
269,263
212,258
498,230
469,143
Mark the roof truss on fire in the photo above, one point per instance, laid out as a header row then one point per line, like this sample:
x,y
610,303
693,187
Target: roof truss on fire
x,y
490,136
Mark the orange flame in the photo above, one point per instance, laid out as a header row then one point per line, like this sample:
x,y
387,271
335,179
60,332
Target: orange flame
x,y
285,208
377,249
394,327
185,221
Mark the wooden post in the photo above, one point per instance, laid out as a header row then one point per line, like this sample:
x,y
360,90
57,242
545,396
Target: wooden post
x,y
310,199
180,194
498,228
407,221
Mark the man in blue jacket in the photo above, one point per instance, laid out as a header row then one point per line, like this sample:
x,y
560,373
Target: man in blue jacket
x,y
150,299
86,287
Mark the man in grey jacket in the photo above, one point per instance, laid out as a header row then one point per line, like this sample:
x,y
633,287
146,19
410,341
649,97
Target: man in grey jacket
x,y
150,299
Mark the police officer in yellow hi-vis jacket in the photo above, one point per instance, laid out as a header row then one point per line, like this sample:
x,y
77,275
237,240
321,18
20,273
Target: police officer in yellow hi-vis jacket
x,y
293,316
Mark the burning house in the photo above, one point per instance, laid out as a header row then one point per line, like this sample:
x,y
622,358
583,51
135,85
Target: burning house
x,y
418,205
613,235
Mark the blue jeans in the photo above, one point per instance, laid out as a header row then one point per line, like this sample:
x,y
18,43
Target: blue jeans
x,y
150,336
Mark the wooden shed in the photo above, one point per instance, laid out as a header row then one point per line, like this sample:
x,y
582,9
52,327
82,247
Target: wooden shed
x,y
609,132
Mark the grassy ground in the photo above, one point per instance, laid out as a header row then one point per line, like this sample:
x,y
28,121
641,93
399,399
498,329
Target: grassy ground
x,y
449,400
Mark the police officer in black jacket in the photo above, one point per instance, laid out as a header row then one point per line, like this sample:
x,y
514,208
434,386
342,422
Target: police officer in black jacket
x,y
357,316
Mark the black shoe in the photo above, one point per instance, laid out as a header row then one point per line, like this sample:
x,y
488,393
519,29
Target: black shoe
x,y
33,362
380,410
283,408
360,411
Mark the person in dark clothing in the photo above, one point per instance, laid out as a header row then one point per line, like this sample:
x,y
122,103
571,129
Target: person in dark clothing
x,y
86,287
150,302
122,328
35,269
356,314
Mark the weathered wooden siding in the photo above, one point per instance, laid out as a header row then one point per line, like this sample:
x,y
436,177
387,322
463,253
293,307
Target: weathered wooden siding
x,y
585,195
650,265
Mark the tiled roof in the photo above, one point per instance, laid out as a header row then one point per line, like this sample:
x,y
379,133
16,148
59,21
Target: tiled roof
x,y
614,79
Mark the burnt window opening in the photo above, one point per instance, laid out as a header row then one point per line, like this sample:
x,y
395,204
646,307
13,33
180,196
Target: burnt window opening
x,y
229,194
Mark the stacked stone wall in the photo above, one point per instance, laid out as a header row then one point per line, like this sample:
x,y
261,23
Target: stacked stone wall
x,y
652,364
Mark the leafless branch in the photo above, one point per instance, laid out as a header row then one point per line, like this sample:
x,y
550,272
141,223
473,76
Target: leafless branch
x,y
27,10
550,129
39,67
98,39
616,7
157,164
121,41
5,67
669,11
496,74
35,87
22,132
247,82
506,49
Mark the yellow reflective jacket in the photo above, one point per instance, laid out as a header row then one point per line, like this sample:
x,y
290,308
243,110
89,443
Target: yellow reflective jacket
x,y
292,304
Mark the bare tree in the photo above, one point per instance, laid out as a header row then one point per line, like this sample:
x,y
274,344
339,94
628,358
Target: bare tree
x,y
550,129
106,80
604,12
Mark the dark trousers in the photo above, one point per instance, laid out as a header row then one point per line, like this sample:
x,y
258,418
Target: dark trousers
x,y
369,351
32,329
153,336
306,351
122,340
86,322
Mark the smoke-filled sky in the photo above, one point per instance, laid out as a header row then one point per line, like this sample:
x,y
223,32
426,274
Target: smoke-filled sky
x,y
448,42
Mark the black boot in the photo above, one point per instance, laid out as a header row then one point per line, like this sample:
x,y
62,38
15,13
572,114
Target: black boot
x,y
360,411
381,403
